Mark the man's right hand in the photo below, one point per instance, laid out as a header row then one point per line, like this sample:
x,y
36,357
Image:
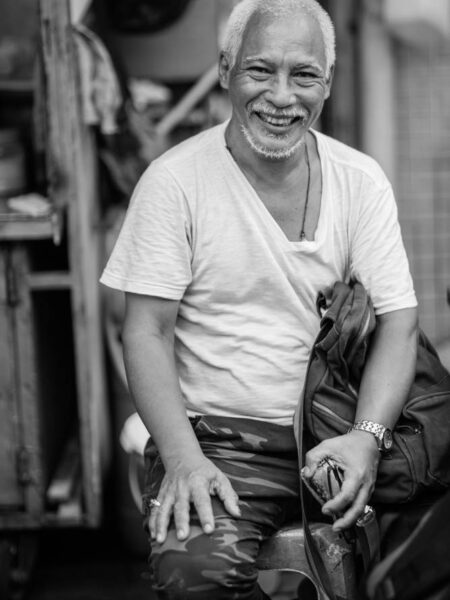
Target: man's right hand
x,y
191,482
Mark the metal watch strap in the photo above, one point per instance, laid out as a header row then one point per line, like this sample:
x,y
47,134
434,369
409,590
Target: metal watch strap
x,y
371,427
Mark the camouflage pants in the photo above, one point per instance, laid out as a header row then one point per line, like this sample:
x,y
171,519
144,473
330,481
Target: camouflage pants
x,y
260,459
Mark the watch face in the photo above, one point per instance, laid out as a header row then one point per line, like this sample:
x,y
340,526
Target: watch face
x,y
387,439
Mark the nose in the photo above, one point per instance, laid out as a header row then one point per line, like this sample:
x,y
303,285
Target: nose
x,y
281,93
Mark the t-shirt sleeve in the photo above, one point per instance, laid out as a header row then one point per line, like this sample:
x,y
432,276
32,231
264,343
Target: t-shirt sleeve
x,y
378,256
152,254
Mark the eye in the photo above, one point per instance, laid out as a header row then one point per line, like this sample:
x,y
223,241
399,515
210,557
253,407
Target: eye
x,y
306,77
258,71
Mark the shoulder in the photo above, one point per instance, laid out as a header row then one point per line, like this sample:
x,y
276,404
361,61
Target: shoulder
x,y
198,149
349,162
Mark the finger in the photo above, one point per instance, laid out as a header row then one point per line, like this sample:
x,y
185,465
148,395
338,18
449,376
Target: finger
x,y
344,498
350,517
152,517
312,460
152,522
202,502
163,492
222,486
181,515
162,518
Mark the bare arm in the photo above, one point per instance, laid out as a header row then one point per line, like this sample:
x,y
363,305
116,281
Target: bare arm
x,y
386,381
148,340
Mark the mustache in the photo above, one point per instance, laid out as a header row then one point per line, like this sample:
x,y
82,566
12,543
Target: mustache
x,y
278,112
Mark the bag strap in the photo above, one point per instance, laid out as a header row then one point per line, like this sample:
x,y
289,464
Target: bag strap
x,y
366,530
315,560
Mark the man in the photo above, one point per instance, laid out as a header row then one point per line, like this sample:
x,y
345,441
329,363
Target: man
x,y
228,239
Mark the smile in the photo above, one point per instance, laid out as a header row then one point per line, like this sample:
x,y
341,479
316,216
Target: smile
x,y
278,120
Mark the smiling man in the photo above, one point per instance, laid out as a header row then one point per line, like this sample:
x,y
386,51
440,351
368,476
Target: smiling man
x,y
228,239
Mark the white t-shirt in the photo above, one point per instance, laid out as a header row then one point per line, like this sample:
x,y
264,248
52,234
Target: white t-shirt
x,y
196,231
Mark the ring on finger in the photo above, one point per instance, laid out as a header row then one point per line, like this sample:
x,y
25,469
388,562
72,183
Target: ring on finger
x,y
154,503
367,516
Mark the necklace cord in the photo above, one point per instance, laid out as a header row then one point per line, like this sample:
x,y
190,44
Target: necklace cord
x,y
308,182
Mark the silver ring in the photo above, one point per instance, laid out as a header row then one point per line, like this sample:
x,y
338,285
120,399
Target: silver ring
x,y
367,516
154,502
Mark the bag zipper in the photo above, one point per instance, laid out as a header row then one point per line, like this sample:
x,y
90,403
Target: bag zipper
x,y
324,409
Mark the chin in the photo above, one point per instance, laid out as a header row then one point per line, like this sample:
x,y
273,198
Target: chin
x,y
272,151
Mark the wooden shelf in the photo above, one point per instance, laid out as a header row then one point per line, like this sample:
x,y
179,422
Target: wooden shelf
x,y
16,86
19,226
50,280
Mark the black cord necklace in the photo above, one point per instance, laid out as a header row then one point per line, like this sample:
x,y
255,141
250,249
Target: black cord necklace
x,y
308,182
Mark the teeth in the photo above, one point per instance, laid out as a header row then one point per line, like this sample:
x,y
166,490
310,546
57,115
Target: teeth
x,y
279,121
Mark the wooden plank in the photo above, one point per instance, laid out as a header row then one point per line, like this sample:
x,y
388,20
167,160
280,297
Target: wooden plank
x,y
50,280
11,494
32,470
16,86
37,229
75,184
15,225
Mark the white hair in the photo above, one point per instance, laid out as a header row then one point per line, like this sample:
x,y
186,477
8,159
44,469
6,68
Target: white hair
x,y
242,12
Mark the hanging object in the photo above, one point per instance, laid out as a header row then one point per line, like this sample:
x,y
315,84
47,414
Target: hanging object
x,y
146,16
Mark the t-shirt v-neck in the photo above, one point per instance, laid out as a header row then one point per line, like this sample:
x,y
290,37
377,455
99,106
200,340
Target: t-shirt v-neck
x,y
291,245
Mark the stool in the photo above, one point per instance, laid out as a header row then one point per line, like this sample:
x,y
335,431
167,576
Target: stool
x,y
285,551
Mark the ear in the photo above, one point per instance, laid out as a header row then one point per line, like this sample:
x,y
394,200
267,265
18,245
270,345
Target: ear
x,y
224,70
329,83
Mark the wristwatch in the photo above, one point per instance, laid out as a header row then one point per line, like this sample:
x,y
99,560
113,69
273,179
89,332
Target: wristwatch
x,y
382,434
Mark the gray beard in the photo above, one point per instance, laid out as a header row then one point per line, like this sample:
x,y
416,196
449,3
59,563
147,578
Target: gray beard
x,y
265,152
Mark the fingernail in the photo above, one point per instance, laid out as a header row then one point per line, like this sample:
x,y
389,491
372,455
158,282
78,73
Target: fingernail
x,y
159,538
305,471
208,528
180,533
326,511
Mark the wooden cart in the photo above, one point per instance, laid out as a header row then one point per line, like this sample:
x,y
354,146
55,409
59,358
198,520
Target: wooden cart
x,y
53,412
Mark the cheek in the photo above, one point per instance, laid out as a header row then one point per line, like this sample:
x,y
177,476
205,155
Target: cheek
x,y
246,89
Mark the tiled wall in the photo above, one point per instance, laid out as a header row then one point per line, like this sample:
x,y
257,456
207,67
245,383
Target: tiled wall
x,y
423,177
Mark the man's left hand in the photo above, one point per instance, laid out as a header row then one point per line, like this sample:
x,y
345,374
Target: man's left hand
x,y
357,454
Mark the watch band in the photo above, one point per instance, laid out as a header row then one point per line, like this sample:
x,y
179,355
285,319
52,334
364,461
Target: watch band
x,y
382,434
371,427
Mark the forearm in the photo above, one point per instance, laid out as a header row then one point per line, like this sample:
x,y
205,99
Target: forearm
x,y
389,369
154,386
190,478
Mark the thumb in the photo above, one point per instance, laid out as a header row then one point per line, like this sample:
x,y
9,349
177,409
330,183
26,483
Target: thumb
x,y
306,472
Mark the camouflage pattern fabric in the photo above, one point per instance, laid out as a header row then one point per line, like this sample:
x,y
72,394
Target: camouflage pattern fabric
x,y
260,460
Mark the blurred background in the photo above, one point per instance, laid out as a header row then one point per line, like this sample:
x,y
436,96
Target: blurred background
x,y
90,92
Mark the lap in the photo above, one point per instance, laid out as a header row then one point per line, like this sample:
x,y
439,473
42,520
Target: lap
x,y
261,462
